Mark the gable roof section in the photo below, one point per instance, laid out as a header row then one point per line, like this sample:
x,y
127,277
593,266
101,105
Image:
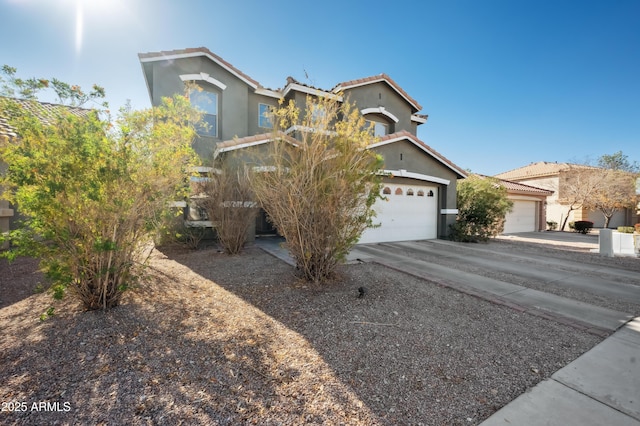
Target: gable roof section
x,y
292,84
46,112
197,51
376,79
406,136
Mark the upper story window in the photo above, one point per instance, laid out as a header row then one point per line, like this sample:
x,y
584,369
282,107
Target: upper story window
x,y
318,113
264,119
207,102
379,129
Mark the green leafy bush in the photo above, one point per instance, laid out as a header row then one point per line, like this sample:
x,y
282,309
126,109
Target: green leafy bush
x,y
482,208
91,190
552,225
626,229
583,226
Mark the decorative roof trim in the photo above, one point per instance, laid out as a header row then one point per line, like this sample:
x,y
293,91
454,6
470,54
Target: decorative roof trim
x,y
244,145
419,119
412,175
203,76
311,91
379,110
268,92
248,141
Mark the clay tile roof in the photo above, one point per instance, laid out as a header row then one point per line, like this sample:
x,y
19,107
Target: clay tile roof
x,y
539,169
236,143
46,112
522,188
196,51
291,80
403,134
376,79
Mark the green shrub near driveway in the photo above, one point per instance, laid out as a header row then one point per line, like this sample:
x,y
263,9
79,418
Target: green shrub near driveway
x,y
626,229
583,226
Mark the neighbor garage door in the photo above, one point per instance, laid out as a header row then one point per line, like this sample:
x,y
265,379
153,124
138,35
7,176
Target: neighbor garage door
x,y
522,218
408,213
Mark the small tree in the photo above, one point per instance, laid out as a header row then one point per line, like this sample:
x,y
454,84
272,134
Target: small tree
x,y
229,202
615,192
618,161
319,189
609,187
482,208
578,184
90,191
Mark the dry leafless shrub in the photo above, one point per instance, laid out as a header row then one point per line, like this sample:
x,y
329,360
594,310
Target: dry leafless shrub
x,y
228,202
319,188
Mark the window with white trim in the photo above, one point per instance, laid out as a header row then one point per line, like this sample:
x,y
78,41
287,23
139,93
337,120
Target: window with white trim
x,y
207,103
264,116
379,129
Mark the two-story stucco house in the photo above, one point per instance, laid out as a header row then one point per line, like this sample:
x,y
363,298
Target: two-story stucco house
x,y
422,192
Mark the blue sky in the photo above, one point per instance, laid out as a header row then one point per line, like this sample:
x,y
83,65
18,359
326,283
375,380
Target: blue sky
x,y
504,82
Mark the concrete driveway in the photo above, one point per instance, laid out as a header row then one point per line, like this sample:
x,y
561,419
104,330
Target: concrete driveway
x,y
538,278
553,275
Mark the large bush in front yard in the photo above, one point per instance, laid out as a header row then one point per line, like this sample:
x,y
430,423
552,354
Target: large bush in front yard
x,y
92,190
482,208
229,202
319,189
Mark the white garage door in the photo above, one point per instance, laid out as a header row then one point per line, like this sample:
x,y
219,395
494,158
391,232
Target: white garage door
x,y
522,218
408,213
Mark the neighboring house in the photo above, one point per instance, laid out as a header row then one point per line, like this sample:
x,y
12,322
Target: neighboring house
x,y
422,190
551,176
529,207
46,112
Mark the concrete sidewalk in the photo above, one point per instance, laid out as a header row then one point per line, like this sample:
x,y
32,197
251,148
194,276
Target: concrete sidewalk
x,y
602,387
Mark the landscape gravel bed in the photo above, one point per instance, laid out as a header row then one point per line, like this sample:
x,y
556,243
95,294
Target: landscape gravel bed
x,y
213,339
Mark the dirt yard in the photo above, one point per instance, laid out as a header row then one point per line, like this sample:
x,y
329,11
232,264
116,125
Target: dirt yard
x,y
213,339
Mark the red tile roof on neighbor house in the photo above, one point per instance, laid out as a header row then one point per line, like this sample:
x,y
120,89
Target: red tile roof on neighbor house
x,y
375,79
521,188
46,112
518,188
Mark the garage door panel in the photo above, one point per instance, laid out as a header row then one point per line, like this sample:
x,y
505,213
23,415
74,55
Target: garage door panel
x,y
404,217
522,218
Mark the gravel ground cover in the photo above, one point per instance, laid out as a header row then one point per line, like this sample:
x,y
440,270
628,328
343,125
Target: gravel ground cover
x,y
212,339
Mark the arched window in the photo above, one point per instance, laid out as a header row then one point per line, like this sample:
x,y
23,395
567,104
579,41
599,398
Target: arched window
x,y
386,190
410,192
420,193
430,193
399,191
